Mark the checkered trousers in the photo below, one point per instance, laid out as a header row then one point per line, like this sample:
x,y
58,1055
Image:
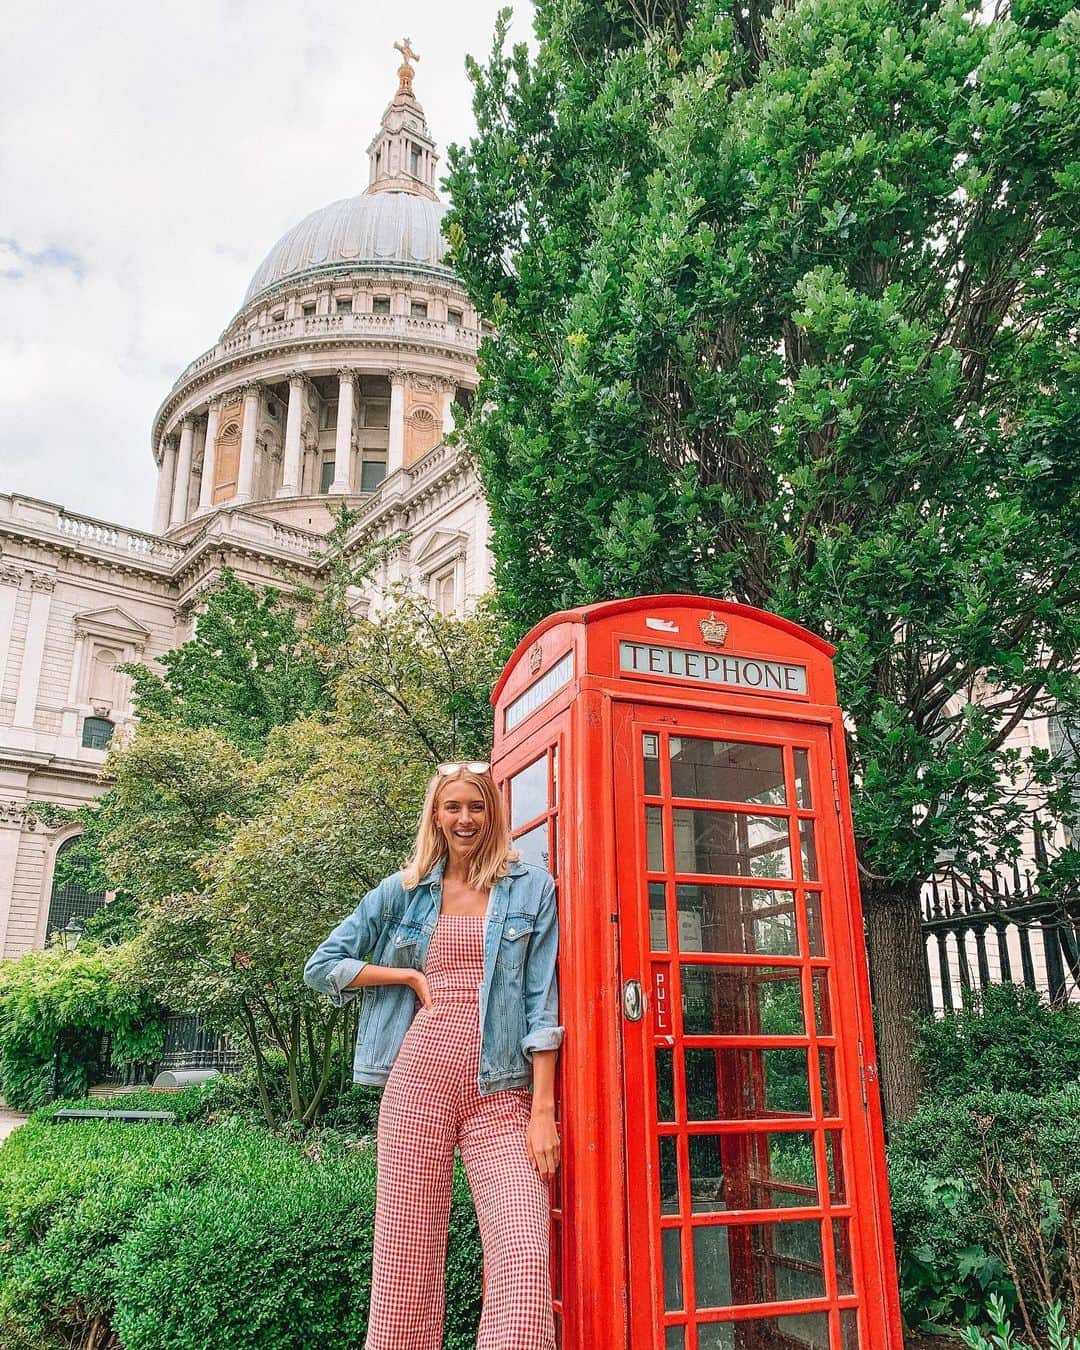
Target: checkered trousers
x,y
430,1104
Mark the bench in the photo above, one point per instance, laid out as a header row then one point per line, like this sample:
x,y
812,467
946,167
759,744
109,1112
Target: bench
x,y
165,1117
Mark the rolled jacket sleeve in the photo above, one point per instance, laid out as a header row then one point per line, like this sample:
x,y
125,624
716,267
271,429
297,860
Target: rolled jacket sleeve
x,y
338,961
541,988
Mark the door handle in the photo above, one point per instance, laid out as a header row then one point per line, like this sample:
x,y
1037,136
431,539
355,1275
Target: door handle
x,y
633,1001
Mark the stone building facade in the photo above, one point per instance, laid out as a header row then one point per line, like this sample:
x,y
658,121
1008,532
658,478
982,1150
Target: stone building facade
x,y
352,354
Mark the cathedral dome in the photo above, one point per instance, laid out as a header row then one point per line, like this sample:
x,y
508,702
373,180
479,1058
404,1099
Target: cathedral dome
x,y
375,228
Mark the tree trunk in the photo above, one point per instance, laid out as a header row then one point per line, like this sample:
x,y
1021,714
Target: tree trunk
x,y
901,990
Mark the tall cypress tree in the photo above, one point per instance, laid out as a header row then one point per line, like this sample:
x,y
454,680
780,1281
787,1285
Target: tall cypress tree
x,y
786,306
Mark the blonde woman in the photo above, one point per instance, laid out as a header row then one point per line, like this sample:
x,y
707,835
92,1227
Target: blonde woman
x,y
457,957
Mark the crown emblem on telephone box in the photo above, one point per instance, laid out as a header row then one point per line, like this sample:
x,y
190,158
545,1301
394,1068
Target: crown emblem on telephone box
x,y
714,630
536,658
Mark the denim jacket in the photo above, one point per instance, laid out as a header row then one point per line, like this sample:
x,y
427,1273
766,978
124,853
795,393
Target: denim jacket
x,y
519,1000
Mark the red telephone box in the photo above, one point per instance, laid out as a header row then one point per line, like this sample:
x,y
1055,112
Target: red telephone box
x,y
678,763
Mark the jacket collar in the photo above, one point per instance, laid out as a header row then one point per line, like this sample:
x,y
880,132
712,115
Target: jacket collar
x,y
516,869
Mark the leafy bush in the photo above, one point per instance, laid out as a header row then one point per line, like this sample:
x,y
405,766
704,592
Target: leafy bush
x,y
1006,1038
1057,1336
198,1235
986,1202
57,1004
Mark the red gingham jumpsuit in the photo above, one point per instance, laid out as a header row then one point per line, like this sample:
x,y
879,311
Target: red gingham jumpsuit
x,y
430,1103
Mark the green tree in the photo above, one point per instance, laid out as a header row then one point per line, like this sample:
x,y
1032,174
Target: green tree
x,y
244,670
244,864
786,304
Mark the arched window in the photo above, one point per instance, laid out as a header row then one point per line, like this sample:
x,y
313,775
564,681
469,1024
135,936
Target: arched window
x,y
70,900
96,732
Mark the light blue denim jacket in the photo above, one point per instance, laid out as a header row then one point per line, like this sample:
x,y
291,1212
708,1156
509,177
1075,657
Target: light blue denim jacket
x,y
519,999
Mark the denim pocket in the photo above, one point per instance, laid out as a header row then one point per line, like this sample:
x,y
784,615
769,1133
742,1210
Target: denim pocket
x,y
516,932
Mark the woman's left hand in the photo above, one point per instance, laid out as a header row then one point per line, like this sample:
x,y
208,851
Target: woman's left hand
x,y
542,1142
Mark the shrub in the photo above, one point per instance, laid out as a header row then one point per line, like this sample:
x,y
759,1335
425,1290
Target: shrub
x,y
57,1005
986,1201
198,1235
1006,1038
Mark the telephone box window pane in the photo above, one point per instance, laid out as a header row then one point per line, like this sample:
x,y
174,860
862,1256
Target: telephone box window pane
x,y
671,1248
529,793
669,1175
658,939
712,1266
534,846
746,1084
829,1100
802,779
727,771
650,754
809,851
739,919
845,1280
834,1160
822,1007
802,1331
675,1338
796,1271
665,1085
751,1171
763,1263
731,843
815,932
654,838
849,1330
741,1001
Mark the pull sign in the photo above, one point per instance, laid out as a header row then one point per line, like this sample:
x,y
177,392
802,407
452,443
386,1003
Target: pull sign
x,y
632,1002
660,998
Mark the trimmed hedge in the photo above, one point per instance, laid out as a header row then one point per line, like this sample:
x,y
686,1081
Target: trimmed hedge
x,y
155,1237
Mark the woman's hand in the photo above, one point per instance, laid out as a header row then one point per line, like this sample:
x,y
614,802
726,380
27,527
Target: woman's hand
x,y
542,1142
418,983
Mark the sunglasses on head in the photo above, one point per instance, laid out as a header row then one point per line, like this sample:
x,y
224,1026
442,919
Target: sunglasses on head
x,y
472,765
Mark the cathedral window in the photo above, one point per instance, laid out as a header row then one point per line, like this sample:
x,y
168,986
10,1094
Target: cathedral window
x,y
343,304
309,311
327,475
69,900
372,472
444,590
278,316
380,304
414,160
96,733
418,309
454,317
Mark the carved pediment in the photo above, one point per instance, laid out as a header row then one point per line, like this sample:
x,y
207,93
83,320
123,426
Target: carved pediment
x,y
111,622
442,542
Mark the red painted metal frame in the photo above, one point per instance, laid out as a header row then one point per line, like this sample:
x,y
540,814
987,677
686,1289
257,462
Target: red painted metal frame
x,y
607,1229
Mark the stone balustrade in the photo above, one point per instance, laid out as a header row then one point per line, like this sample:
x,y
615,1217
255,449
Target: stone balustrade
x,y
50,519
398,327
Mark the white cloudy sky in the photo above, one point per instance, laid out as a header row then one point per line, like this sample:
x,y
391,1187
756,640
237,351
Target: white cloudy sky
x,y
150,155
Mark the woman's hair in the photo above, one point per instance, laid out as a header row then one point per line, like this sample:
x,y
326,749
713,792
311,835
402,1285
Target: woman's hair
x,y
494,851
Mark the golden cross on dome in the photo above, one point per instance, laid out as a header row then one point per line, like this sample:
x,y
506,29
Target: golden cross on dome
x,y
405,70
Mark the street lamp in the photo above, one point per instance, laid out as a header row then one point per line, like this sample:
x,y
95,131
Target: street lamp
x,y
71,933
70,936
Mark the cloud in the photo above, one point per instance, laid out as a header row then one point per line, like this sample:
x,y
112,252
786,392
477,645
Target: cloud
x,y
142,182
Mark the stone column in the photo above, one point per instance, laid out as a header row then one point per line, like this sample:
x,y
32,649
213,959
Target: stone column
x,y
343,443
294,422
41,589
10,577
166,472
209,462
448,391
182,485
395,455
246,473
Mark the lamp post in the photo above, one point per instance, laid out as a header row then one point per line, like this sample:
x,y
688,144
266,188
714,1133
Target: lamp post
x,y
70,936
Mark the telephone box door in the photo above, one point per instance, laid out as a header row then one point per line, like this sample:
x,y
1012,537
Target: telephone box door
x,y
746,1130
